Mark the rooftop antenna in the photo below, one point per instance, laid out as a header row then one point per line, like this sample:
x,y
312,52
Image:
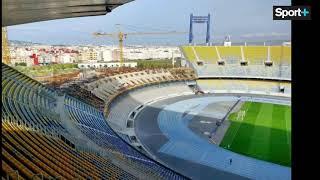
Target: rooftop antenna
x,y
227,41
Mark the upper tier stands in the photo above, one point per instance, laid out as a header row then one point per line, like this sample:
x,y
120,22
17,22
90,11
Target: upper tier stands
x,y
107,87
206,53
36,143
76,88
235,57
229,53
110,87
255,54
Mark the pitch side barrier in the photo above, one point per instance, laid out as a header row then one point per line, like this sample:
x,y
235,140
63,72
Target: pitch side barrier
x,y
270,79
265,100
241,93
133,114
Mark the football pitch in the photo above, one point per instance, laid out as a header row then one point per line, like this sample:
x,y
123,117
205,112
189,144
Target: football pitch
x,y
262,131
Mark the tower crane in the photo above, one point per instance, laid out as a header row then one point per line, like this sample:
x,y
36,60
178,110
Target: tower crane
x,y
121,36
5,46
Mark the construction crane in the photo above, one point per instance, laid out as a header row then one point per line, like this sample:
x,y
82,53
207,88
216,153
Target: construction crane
x,y
121,36
5,47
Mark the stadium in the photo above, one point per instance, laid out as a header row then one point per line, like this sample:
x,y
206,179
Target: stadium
x,y
224,114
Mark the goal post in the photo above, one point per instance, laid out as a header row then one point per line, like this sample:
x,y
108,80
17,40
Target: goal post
x,y
241,115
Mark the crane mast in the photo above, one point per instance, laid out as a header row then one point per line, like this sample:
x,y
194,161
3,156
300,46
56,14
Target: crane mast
x,y
121,36
5,47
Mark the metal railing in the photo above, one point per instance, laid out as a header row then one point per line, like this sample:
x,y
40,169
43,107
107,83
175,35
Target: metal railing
x,y
37,175
14,171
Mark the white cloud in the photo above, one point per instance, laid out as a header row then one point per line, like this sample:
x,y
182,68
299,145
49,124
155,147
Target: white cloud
x,y
272,34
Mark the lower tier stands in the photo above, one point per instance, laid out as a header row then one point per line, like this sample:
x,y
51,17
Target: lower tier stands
x,y
246,86
37,145
91,122
35,154
28,102
250,71
80,93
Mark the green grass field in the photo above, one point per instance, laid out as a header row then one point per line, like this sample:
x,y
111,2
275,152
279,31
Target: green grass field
x,y
262,132
53,69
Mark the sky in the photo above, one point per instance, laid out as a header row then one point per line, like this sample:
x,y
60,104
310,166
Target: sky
x,y
243,20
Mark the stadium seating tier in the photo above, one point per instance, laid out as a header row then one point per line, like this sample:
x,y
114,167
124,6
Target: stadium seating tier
x,y
35,145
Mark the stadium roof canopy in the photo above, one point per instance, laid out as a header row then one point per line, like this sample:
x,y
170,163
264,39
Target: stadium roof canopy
x,y
26,11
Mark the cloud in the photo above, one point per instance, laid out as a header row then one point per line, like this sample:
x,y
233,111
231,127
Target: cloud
x,y
26,28
272,34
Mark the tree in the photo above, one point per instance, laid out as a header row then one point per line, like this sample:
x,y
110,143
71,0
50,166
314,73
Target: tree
x,y
21,64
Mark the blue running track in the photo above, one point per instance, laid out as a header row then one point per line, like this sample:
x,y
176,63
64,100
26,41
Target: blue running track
x,y
183,143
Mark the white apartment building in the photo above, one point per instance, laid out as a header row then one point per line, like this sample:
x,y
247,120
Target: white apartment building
x,y
65,58
20,55
106,55
151,53
90,55
45,58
